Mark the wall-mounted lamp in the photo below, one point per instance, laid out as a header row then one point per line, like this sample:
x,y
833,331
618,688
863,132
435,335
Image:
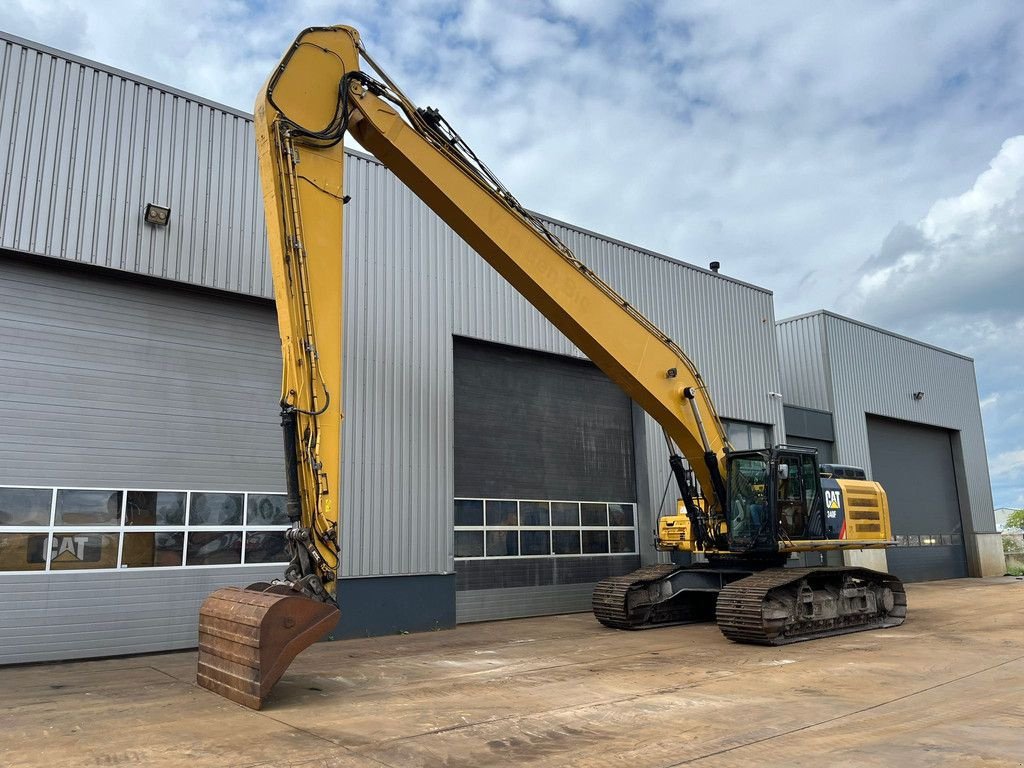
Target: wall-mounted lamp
x,y
157,215
919,395
777,395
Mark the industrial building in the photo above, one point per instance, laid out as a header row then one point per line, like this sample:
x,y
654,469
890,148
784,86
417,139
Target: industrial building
x,y
489,470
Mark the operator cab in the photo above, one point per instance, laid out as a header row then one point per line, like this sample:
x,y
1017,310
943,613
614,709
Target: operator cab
x,y
773,495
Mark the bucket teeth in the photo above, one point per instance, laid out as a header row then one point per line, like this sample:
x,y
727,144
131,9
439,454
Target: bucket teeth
x,y
247,639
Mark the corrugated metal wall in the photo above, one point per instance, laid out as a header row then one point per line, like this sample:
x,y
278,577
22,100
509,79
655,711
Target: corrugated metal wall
x,y
803,362
89,146
870,371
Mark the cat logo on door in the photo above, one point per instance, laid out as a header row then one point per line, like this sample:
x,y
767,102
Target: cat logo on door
x,y
833,503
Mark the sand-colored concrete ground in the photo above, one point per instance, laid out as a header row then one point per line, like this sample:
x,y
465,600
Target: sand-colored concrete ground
x,y
947,688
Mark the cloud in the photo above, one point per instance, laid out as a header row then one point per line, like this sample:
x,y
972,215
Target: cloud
x,y
956,278
965,256
1008,464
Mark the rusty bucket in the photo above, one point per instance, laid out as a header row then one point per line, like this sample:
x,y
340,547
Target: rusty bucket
x,y
248,637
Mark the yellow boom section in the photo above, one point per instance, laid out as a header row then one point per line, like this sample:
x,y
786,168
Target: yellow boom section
x,y
302,169
302,195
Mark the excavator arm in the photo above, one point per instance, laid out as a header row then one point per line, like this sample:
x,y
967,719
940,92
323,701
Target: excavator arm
x,y
317,94
301,117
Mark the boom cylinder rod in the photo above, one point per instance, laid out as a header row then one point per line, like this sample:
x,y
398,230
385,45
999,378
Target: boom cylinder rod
x,y
711,459
293,500
692,397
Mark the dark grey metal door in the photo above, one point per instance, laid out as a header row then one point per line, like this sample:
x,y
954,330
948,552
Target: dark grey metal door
x,y
536,426
544,437
914,463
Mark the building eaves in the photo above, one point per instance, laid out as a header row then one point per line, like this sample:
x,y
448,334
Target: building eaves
x,y
843,318
57,53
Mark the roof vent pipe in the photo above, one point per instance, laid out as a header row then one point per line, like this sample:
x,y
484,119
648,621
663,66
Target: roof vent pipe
x,y
715,266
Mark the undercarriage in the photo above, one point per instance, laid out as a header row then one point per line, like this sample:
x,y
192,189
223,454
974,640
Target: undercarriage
x,y
769,606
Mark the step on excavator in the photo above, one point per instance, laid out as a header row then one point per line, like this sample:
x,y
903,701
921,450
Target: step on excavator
x,y
740,513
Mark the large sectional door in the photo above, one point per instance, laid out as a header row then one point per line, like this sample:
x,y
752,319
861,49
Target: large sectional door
x,y
121,394
914,463
544,481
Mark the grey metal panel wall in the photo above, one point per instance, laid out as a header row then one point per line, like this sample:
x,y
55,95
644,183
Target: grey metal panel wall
x,y
71,615
112,383
875,372
90,146
397,472
803,359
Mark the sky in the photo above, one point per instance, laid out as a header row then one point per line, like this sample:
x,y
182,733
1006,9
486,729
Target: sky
x,y
862,157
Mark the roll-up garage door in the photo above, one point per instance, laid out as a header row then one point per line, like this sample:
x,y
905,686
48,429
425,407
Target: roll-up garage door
x,y
914,463
140,465
544,482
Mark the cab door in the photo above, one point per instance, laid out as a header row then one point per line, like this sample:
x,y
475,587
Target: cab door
x,y
798,498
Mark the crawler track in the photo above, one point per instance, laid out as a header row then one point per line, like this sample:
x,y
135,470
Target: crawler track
x,y
623,602
787,605
637,600
773,606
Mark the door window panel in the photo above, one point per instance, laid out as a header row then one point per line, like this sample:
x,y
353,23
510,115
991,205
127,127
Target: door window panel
x,y
565,513
266,547
534,543
215,509
502,543
23,551
469,543
267,509
155,508
469,512
87,507
25,506
83,550
502,513
152,550
214,548
594,515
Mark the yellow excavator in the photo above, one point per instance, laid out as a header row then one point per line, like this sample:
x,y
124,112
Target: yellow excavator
x,y
741,513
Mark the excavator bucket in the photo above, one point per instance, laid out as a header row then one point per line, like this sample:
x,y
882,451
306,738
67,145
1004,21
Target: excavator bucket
x,y
248,637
